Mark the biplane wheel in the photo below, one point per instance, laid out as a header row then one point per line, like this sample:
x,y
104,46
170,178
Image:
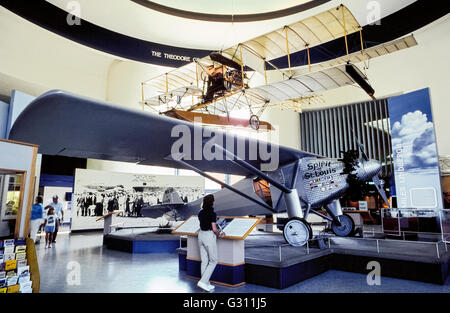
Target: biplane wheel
x,y
254,122
347,226
297,232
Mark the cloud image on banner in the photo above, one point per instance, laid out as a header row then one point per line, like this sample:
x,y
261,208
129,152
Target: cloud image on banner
x,y
415,156
415,133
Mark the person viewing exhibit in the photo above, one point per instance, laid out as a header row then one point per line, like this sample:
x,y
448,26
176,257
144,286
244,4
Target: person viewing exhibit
x,y
207,236
59,212
37,213
50,225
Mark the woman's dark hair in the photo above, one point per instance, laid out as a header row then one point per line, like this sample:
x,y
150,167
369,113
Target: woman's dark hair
x,y
208,201
39,199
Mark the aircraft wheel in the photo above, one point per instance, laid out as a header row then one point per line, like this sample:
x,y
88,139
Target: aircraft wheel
x,y
254,122
297,232
347,226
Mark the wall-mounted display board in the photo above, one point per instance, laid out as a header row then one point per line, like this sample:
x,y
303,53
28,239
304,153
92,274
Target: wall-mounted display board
x,y
139,196
234,227
18,167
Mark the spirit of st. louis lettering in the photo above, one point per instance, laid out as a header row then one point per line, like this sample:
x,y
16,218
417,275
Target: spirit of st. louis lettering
x,y
318,169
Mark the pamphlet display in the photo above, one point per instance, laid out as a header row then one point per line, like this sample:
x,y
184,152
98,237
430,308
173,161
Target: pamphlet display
x,y
14,271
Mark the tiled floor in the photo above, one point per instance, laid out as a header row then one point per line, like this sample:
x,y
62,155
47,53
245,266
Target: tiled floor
x,y
79,263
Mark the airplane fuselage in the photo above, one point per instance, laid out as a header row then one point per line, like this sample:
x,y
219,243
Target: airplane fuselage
x,y
319,181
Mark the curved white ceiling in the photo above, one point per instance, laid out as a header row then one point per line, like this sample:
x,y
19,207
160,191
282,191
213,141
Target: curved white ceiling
x,y
132,19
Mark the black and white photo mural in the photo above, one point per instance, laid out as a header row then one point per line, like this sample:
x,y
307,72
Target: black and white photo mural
x,y
98,192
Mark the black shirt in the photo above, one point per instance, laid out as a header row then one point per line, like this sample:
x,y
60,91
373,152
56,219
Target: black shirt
x,y
207,217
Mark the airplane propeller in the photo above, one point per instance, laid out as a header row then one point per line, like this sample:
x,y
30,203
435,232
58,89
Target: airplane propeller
x,y
352,163
377,183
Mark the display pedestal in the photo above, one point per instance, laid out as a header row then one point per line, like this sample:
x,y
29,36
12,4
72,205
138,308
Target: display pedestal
x,y
108,219
231,259
230,249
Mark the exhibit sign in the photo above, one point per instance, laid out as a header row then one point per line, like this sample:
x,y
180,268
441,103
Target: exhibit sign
x,y
234,227
416,162
98,192
362,205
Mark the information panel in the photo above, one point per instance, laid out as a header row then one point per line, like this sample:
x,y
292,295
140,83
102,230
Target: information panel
x,y
189,227
416,162
233,227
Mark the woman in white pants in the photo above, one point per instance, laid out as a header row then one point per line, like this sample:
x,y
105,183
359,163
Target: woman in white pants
x,y
37,213
207,241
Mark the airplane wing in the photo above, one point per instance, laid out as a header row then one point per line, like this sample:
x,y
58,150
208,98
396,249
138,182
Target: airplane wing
x,y
183,76
304,82
167,97
300,86
362,56
68,125
310,32
323,76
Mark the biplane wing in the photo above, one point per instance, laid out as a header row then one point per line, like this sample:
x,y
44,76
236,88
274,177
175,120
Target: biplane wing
x,y
167,97
305,84
68,125
282,86
310,32
184,76
363,55
299,86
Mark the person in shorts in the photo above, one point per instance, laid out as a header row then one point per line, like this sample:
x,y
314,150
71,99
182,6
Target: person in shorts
x,y
49,226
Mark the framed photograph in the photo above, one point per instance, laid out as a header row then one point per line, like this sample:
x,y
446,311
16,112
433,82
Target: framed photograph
x,y
11,194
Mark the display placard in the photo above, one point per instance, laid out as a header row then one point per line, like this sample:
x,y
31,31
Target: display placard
x,y
363,205
234,227
189,227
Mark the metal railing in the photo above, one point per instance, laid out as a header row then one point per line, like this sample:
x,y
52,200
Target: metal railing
x,y
379,245
391,246
116,226
307,248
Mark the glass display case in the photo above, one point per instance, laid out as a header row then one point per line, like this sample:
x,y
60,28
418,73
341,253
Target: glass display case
x,y
410,221
445,225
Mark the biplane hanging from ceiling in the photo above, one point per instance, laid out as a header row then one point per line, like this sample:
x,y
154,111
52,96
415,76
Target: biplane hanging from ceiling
x,y
243,76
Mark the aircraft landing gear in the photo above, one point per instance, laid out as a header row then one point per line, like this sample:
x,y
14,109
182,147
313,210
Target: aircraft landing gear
x,y
346,228
297,232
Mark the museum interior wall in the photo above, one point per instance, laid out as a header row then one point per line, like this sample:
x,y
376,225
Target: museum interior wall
x,y
33,56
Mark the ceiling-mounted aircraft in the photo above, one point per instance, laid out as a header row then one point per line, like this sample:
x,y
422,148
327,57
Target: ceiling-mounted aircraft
x,y
244,77
277,179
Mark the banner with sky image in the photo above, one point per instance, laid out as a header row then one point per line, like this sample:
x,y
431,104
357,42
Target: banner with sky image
x,y
416,162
